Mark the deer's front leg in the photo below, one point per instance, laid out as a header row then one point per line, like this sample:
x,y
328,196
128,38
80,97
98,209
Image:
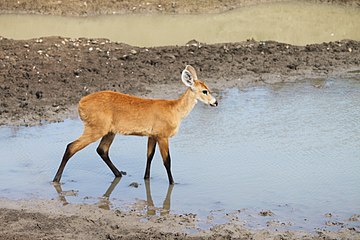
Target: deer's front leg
x,y
150,154
165,153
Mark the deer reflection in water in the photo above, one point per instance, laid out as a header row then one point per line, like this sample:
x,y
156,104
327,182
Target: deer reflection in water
x,y
151,209
105,203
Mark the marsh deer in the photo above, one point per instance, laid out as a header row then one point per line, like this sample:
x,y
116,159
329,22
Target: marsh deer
x,y
107,113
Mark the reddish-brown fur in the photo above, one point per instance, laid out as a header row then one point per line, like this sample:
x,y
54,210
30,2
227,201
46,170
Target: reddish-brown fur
x,y
107,113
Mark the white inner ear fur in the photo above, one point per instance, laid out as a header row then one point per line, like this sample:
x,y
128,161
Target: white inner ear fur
x,y
187,78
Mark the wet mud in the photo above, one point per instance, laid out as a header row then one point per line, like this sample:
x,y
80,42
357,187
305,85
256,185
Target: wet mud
x,y
49,220
99,7
41,80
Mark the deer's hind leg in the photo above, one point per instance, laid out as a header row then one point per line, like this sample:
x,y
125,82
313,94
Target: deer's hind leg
x,y
103,151
89,136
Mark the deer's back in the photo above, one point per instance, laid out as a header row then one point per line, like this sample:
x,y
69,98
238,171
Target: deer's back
x,y
128,115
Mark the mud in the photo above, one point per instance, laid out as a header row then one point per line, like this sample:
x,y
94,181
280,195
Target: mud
x,y
41,80
50,220
99,7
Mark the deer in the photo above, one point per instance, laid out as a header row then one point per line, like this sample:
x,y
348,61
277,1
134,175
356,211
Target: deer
x,y
107,113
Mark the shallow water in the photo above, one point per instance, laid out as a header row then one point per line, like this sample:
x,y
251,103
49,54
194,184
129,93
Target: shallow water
x,y
293,149
293,23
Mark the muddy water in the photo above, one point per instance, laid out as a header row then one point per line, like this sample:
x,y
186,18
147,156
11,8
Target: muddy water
x,y
293,149
294,23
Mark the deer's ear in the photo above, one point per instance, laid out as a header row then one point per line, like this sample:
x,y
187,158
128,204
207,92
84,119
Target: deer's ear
x,y
191,69
187,78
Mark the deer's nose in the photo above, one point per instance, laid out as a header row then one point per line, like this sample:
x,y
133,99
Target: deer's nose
x,y
214,104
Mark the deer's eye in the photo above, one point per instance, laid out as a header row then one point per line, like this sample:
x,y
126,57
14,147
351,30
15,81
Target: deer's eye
x,y
205,92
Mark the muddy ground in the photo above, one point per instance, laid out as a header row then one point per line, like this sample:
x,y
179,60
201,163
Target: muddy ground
x,y
41,80
96,7
34,219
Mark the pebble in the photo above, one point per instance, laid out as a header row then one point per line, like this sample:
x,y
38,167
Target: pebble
x,y
266,213
328,215
193,43
134,185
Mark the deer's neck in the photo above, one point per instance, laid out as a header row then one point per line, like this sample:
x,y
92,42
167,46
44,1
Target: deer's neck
x,y
185,103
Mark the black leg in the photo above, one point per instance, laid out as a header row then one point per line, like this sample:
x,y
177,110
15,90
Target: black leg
x,y
65,159
103,151
150,154
85,139
164,150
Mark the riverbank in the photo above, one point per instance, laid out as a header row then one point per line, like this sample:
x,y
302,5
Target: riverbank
x,y
100,7
42,80
49,219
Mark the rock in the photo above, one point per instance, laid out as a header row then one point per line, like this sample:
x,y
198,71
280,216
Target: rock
x,y
134,185
39,94
193,43
355,218
328,215
266,213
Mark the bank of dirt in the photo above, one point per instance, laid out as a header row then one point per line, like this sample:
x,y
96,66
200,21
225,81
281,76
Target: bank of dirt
x,y
100,7
35,219
42,80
